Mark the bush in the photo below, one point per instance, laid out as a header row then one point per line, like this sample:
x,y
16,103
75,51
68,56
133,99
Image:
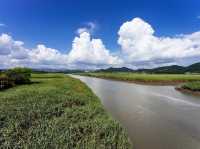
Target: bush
x,y
5,82
194,86
19,75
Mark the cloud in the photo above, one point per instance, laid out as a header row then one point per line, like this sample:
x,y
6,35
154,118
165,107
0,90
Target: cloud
x,y
86,53
89,27
43,55
89,51
140,45
6,43
13,48
13,53
2,25
139,48
82,30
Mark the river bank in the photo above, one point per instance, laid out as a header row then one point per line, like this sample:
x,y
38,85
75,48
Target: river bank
x,y
152,79
56,111
190,87
188,91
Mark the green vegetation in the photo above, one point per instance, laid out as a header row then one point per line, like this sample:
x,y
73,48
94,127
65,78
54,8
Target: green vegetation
x,y
56,111
146,78
14,77
193,86
5,82
171,69
19,75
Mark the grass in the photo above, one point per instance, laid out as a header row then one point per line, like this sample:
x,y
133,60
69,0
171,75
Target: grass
x,y
56,111
193,86
146,78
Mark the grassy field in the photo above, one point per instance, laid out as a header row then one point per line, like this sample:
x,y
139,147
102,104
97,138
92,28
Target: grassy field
x,y
147,78
56,111
193,86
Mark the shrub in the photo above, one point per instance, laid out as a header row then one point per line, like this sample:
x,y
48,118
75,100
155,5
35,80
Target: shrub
x,y
5,82
194,86
19,75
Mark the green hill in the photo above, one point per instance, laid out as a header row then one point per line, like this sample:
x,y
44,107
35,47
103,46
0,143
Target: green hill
x,y
173,69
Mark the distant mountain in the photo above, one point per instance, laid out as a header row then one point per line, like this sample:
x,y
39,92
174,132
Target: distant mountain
x,y
173,69
111,69
194,68
166,69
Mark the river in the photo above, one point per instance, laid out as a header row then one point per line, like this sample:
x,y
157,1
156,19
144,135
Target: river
x,y
156,117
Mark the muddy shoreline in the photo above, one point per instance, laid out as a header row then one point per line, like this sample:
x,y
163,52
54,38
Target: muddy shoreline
x,y
188,91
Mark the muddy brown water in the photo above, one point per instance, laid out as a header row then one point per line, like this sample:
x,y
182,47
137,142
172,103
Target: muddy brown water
x,y
156,117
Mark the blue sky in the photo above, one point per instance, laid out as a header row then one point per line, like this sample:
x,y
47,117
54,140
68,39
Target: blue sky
x,y
54,23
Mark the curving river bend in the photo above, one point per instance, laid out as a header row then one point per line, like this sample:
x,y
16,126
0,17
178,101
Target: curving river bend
x,y
156,117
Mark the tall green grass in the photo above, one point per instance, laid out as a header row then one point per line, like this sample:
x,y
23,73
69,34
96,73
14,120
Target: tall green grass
x,y
56,111
193,86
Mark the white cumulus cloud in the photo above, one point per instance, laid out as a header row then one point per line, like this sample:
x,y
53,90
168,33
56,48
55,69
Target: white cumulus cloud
x,y
86,53
48,56
13,53
140,45
90,52
11,47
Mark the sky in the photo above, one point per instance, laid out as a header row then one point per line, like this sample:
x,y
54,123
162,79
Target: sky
x,y
88,34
